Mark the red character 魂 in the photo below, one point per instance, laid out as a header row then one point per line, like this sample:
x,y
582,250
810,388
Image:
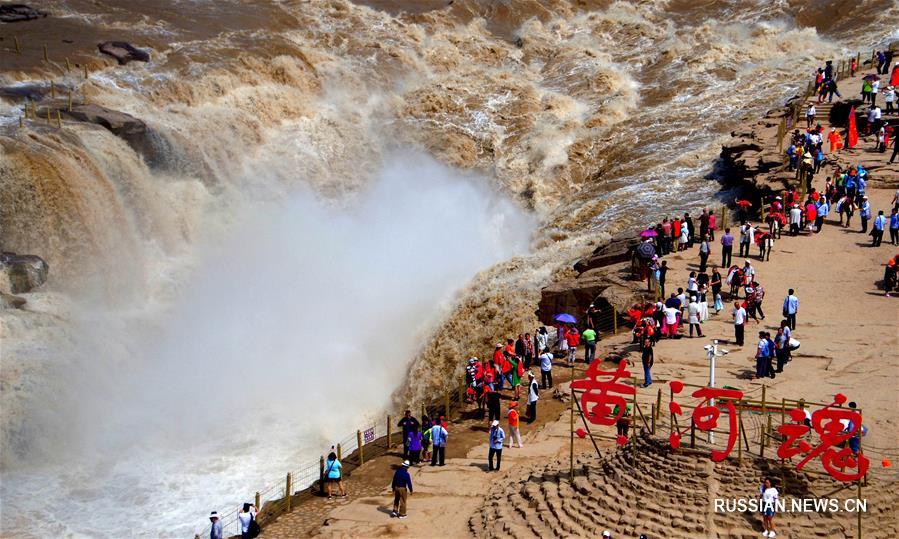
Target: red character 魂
x,y
834,426
606,394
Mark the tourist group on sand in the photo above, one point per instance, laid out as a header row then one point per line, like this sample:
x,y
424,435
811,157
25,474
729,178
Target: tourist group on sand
x,y
522,367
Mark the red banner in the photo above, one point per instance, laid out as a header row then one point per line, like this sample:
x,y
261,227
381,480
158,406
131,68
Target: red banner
x,y
852,139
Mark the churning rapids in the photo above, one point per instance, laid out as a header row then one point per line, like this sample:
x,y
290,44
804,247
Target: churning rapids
x,y
325,186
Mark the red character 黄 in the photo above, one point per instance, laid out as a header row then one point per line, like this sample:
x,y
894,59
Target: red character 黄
x,y
606,394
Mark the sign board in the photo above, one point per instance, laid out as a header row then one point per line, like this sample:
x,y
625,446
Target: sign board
x,y
369,435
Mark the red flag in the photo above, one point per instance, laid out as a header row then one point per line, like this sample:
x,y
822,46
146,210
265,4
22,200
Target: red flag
x,y
852,139
894,78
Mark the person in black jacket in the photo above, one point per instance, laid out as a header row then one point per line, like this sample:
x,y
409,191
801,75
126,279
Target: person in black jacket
x,y
407,423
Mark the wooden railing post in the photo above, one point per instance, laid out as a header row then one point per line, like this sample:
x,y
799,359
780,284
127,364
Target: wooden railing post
x,y
389,431
321,476
614,319
16,43
339,452
359,443
258,503
446,405
287,490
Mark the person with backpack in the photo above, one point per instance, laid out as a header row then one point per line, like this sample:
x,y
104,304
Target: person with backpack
x,y
333,475
533,397
246,519
496,438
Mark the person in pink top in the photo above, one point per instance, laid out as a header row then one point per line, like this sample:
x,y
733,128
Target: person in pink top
x,y
713,225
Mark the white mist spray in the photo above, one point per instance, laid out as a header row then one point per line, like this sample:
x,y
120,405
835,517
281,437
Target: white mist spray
x,y
289,334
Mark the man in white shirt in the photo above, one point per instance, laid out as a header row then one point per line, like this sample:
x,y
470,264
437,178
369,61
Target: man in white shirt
x,y
670,327
739,314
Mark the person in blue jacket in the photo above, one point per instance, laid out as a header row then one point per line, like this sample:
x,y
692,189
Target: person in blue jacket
x,y
402,487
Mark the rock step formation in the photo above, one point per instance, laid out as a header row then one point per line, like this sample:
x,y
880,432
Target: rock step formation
x,y
666,494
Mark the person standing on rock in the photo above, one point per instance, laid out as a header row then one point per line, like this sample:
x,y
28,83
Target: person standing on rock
x,y
438,441
402,488
878,226
691,230
769,506
546,370
407,423
648,361
215,529
727,248
533,396
894,227
334,474
589,336
663,276
715,283
739,315
514,419
528,351
704,224
791,307
704,251
496,438
693,317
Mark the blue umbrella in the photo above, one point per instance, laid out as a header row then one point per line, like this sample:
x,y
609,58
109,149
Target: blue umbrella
x,y
565,318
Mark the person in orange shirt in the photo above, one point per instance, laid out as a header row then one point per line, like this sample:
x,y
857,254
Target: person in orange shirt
x,y
836,141
514,433
499,360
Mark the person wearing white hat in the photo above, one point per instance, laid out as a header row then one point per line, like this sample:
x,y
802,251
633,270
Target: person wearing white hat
x,y
215,531
402,487
607,533
889,97
496,438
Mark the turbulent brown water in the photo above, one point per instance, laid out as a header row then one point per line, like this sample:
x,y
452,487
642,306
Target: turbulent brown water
x,y
119,389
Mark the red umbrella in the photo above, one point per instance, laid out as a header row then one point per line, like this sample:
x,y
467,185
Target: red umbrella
x,y
744,204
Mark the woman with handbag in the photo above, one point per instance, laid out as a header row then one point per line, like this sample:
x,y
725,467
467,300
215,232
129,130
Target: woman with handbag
x,y
333,475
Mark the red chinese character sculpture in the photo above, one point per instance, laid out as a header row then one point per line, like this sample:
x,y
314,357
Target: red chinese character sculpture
x,y
605,395
834,427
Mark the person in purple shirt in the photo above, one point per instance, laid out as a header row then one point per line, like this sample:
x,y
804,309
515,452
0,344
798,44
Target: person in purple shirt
x,y
727,247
